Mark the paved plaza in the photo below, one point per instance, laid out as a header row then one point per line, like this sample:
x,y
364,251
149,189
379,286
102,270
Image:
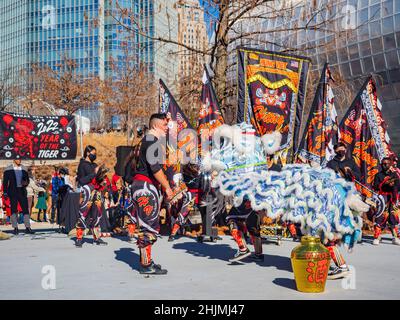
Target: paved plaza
x,y
195,270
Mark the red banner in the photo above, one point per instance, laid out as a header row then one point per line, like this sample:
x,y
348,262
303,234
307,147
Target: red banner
x,y
37,137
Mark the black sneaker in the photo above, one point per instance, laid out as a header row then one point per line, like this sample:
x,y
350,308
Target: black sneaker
x,y
338,273
257,257
240,255
100,242
78,243
29,231
152,269
16,231
171,238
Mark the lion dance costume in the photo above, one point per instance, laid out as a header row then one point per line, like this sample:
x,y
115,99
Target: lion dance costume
x,y
321,202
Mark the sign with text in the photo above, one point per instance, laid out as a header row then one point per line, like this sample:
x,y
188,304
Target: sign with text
x,y
37,137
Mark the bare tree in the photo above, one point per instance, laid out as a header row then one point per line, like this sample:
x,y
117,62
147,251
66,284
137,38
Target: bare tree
x,y
129,91
7,89
64,87
235,23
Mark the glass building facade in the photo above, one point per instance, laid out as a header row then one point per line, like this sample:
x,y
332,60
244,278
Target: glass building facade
x,y
369,44
45,31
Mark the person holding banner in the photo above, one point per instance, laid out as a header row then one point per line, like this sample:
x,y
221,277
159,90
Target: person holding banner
x,y
90,181
15,181
387,183
342,165
146,195
347,169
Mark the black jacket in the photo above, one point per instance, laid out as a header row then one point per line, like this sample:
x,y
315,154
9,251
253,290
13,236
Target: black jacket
x,y
86,172
10,180
386,189
337,165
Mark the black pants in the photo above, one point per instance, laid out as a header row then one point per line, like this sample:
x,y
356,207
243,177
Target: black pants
x,y
20,196
44,214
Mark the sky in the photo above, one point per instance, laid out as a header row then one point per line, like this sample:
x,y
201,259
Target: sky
x,y
209,11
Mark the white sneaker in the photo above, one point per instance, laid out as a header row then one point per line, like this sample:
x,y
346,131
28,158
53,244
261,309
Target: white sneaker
x,y
240,255
375,242
396,241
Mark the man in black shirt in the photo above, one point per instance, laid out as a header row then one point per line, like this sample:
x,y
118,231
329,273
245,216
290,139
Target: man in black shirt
x,y
148,177
342,165
387,183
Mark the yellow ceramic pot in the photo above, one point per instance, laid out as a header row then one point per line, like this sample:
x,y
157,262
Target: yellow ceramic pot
x,y
310,263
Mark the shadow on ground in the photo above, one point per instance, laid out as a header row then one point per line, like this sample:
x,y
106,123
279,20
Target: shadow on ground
x,y
128,256
225,252
212,251
286,283
279,262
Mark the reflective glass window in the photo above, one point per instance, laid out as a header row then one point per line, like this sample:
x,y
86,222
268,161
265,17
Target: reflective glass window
x,y
356,67
376,45
394,75
375,12
375,29
332,57
363,32
389,42
382,78
387,25
397,21
391,59
363,16
368,65
397,6
353,51
345,70
387,8
379,62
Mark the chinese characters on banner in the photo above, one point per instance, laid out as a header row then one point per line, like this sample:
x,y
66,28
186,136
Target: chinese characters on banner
x,y
37,137
364,131
181,142
210,116
271,89
321,131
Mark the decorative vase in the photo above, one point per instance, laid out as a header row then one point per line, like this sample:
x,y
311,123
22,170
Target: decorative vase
x,y
310,263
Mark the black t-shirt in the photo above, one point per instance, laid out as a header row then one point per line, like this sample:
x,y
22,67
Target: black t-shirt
x,y
150,161
86,172
337,165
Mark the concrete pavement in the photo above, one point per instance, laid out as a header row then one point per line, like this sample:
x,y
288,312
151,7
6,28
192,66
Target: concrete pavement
x,y
195,271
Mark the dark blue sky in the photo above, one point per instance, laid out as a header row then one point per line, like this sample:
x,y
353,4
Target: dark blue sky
x,y
209,12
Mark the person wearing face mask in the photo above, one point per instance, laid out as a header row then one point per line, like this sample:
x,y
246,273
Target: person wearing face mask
x,y
348,170
387,183
343,165
90,189
148,177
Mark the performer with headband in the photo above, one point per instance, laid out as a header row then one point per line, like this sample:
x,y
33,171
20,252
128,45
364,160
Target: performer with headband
x,y
146,194
90,180
387,183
